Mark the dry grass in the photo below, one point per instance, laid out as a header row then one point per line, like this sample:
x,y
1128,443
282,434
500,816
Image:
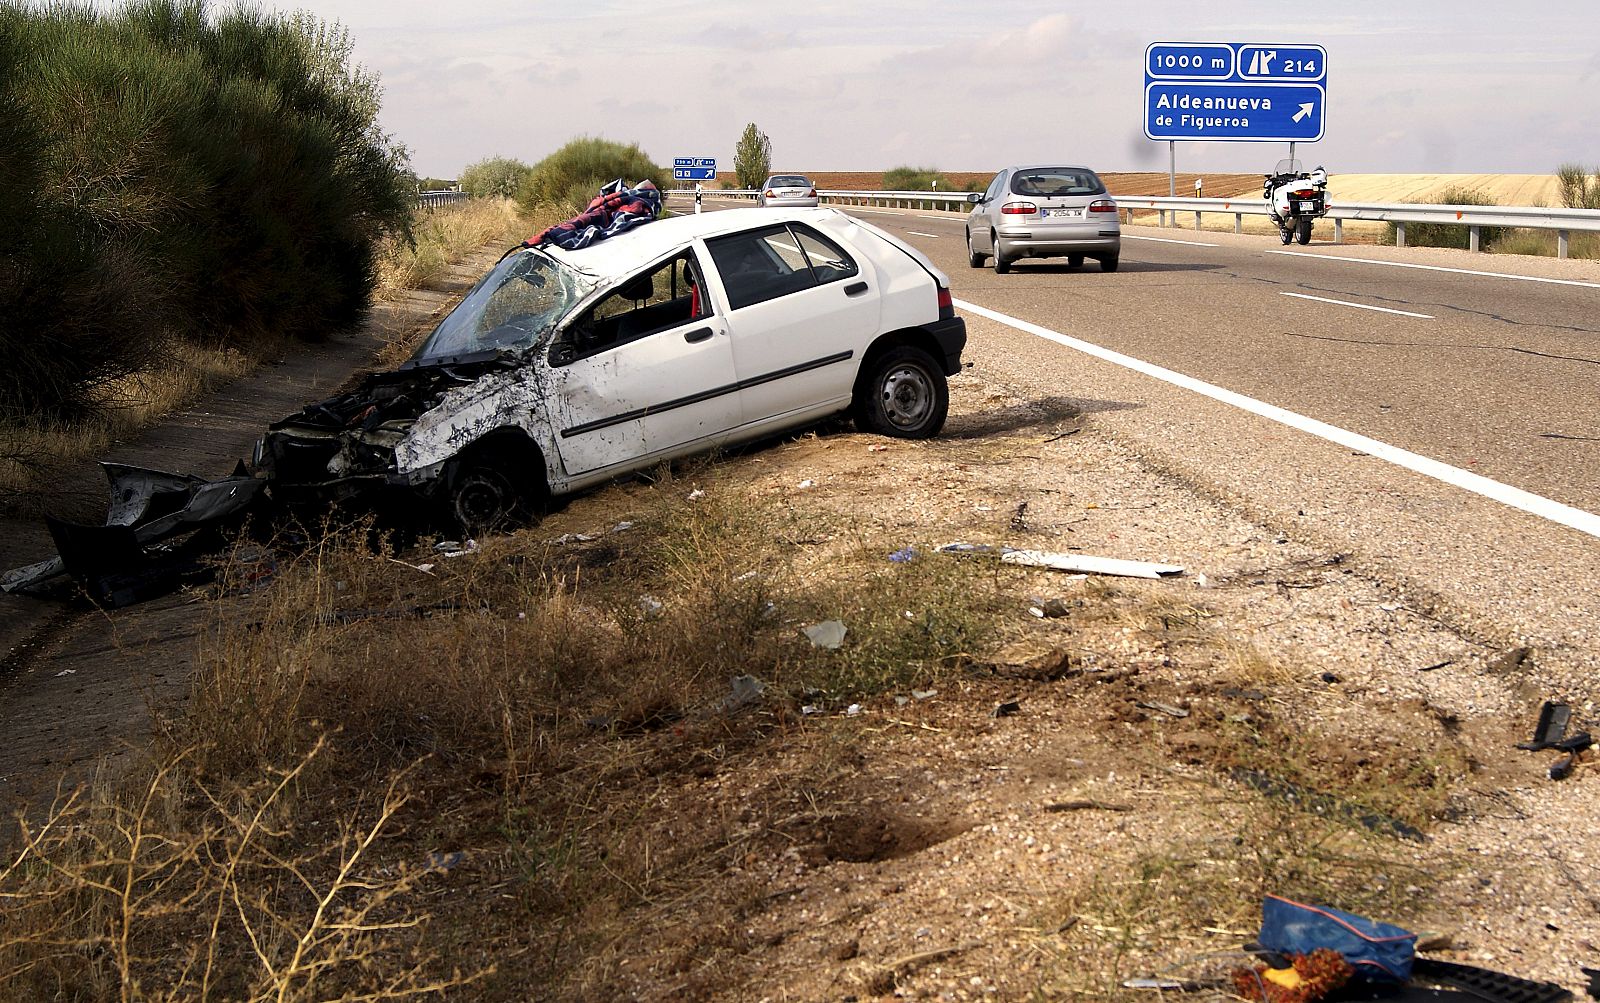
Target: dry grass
x,y
443,236
33,452
188,887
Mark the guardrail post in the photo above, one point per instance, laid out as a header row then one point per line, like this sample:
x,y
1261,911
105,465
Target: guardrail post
x,y
1197,219
1473,235
1399,235
1163,218
1338,231
1238,222
1562,237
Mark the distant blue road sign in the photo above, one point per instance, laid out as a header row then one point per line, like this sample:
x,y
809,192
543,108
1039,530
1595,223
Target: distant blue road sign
x,y
694,169
1235,92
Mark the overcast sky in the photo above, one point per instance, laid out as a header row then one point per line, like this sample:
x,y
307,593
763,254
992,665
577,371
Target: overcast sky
x,y
1460,86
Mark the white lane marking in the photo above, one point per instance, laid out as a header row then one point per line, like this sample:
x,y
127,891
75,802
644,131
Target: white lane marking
x,y
919,233
1441,268
1546,508
1169,240
1359,306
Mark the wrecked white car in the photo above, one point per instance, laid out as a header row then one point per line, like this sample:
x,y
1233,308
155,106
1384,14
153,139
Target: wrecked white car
x,y
563,369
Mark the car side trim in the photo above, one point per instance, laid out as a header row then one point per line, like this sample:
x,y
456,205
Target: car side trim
x,y
705,395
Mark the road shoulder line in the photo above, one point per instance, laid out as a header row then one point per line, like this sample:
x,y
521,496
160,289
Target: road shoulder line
x,y
1526,501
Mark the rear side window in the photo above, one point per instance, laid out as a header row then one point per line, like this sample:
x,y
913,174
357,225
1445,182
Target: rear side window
x,y
993,191
1057,181
775,261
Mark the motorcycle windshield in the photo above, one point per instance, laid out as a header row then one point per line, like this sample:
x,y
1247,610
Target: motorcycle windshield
x,y
1288,167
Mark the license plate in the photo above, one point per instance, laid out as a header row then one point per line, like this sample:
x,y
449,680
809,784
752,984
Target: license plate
x,y
1065,213
1308,207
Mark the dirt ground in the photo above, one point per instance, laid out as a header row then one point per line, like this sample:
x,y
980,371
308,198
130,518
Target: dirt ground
x,y
1104,788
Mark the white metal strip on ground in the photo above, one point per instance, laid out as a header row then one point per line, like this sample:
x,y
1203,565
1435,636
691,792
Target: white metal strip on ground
x,y
919,233
1169,240
1359,306
1526,501
1438,268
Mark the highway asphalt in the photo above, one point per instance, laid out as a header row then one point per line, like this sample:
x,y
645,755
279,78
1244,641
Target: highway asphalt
x,y
1490,374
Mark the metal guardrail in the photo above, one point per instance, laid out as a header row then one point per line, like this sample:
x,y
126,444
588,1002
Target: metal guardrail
x,y
433,200
1473,217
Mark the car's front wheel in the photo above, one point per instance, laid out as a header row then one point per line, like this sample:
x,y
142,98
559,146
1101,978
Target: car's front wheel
x,y
902,393
491,490
974,259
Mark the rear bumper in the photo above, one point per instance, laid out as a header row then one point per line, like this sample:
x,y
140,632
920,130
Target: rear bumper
x,y
1026,243
794,203
951,336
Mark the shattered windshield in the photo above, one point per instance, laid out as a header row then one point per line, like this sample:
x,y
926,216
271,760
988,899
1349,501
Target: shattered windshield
x,y
512,307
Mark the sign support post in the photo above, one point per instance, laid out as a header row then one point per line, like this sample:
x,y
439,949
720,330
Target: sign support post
x,y
1172,167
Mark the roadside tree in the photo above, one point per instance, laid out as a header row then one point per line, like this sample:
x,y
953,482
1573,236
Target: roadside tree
x,y
752,158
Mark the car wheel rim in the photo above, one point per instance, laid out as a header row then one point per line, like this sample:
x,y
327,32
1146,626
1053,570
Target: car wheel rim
x,y
482,501
907,397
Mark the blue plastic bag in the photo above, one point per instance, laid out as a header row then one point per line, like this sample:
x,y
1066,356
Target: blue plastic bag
x,y
1379,952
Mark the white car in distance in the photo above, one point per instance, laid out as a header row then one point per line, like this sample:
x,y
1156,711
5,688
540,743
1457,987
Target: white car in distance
x,y
564,369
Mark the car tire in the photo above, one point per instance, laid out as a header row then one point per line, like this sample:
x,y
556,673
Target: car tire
x,y
1110,264
1074,261
902,394
1001,264
974,259
1304,233
489,493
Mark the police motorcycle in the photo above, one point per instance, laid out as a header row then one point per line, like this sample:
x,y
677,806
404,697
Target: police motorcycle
x,y
1295,199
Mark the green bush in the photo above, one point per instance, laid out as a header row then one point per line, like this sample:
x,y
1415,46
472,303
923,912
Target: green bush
x,y
494,177
570,177
1450,234
1579,189
915,179
180,176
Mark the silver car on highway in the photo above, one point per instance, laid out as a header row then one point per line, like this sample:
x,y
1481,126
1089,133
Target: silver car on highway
x,y
1044,212
786,191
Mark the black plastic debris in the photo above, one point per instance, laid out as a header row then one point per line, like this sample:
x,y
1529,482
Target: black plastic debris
x,y
1007,709
1552,727
1494,987
1561,769
1575,743
1594,981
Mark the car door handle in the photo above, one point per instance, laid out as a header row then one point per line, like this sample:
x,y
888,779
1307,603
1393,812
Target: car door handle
x,y
855,289
698,334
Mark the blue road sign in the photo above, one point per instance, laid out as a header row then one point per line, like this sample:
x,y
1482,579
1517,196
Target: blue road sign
x,y
694,169
1235,92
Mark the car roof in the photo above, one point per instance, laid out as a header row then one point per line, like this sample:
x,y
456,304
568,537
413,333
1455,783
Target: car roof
x,y
1057,166
631,250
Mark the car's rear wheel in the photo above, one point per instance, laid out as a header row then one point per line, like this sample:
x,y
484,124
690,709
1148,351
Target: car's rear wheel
x,y
1074,261
973,257
1002,264
1304,234
903,394
1109,264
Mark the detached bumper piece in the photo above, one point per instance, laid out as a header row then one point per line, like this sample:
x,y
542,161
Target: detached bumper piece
x,y
137,554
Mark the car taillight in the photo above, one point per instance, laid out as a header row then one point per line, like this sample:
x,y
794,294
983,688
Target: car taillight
x,y
1019,209
769,193
947,306
1305,195
811,194
1102,205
